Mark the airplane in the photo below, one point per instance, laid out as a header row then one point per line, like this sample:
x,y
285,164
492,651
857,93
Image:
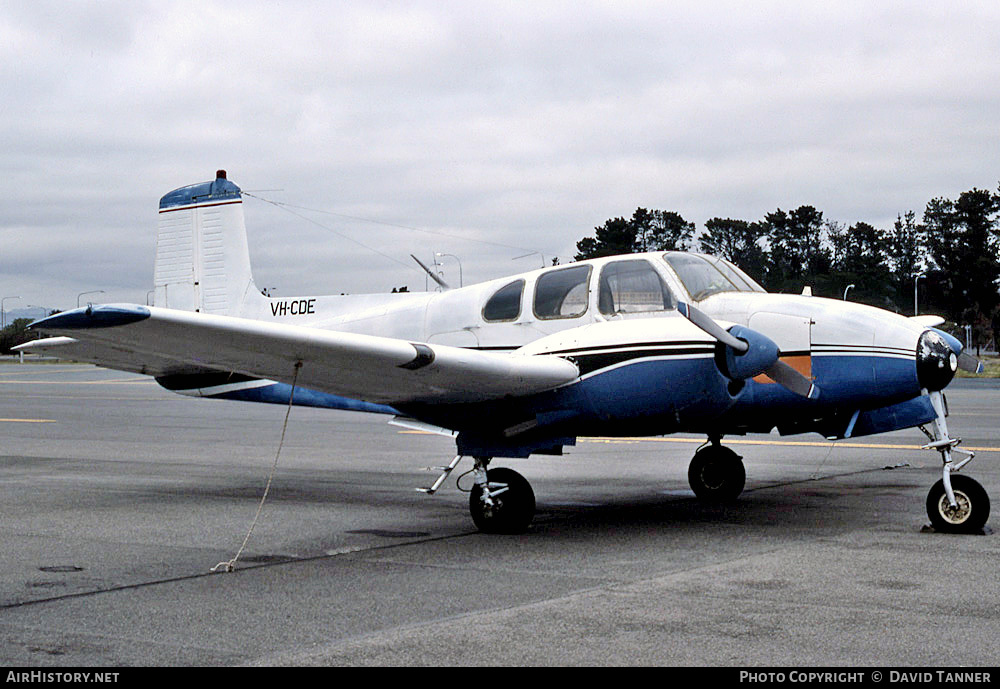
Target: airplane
x,y
634,345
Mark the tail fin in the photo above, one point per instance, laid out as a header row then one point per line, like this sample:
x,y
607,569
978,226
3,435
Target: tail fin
x,y
202,259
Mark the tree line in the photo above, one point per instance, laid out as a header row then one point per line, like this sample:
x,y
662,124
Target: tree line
x,y
950,256
15,333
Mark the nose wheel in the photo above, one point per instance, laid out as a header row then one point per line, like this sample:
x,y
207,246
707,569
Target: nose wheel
x,y
967,515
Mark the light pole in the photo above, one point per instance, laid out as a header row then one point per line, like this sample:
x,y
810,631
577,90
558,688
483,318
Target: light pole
x,y
96,291
846,291
460,282
3,313
531,254
915,311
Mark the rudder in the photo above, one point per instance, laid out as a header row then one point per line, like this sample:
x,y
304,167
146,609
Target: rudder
x,y
202,257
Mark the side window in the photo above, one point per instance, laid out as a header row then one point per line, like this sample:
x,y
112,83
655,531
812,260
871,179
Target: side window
x,y
562,293
632,287
505,304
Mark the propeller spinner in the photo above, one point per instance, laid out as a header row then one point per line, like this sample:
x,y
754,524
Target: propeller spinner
x,y
749,353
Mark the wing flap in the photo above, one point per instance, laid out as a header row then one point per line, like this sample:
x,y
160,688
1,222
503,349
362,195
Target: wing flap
x,y
365,367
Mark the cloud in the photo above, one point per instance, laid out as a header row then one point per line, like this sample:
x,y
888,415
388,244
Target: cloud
x,y
519,124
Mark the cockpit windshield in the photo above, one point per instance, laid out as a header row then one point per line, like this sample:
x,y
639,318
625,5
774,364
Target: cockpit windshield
x,y
704,276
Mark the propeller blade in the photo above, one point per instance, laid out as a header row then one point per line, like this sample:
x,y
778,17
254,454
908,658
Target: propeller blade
x,y
788,377
966,361
708,324
779,371
969,363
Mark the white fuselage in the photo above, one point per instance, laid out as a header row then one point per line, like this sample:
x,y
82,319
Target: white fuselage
x,y
456,317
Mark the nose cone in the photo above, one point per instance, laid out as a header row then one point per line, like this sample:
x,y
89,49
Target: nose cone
x,y
936,361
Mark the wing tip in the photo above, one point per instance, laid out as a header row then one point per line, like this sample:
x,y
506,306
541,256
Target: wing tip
x,y
88,317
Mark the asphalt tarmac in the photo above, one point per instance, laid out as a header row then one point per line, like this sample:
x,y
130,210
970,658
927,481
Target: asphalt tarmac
x,y
117,499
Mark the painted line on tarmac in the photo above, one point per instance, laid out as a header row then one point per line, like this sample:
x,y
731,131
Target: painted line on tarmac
x,y
117,381
790,443
45,371
27,421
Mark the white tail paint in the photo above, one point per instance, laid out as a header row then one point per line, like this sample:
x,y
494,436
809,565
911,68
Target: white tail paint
x,y
202,258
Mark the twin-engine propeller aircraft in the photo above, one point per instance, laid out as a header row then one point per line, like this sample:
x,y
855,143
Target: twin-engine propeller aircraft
x,y
526,364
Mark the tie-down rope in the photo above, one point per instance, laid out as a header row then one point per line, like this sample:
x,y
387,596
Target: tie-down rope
x,y
229,565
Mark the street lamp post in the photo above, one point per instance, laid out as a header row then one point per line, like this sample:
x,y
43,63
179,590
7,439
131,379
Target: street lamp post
x,y
846,291
3,313
915,311
460,281
531,254
96,291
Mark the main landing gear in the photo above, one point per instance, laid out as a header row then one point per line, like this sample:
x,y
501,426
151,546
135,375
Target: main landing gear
x,y
716,473
956,503
501,501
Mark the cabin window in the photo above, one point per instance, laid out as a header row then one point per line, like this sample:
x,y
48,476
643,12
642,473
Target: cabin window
x,y
632,287
562,293
703,278
505,304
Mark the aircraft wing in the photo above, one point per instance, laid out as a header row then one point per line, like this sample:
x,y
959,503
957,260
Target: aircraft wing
x,y
107,355
148,339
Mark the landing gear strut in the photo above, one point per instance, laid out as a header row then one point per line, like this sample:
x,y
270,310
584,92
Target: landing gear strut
x,y
716,473
501,501
956,503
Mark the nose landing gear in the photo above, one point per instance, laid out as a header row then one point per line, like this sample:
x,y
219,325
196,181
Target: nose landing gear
x,y
956,503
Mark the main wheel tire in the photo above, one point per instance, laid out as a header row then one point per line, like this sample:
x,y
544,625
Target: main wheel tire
x,y
717,474
971,513
511,511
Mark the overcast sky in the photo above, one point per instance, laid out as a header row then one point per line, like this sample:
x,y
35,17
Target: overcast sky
x,y
491,129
